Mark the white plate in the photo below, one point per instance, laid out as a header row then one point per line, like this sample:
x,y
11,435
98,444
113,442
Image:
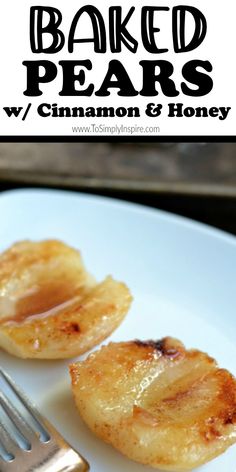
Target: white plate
x,y
182,275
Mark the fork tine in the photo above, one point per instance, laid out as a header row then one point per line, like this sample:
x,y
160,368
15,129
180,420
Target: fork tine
x,y
7,441
52,453
22,426
26,402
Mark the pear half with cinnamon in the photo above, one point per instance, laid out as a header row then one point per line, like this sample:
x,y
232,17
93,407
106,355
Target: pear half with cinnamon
x,y
50,306
157,403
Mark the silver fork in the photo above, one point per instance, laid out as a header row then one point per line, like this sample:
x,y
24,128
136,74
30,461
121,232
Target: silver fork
x,y
27,448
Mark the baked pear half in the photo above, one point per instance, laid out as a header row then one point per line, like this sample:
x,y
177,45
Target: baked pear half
x,y
157,403
50,306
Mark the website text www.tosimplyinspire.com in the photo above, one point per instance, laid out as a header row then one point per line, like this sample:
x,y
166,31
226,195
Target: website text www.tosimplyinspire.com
x,y
115,129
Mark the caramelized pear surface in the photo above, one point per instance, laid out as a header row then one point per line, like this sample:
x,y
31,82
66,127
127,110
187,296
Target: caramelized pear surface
x,y
157,403
50,306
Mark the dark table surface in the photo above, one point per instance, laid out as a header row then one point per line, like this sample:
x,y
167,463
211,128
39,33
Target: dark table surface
x,y
194,180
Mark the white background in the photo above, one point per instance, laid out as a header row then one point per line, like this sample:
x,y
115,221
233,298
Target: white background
x,y
218,48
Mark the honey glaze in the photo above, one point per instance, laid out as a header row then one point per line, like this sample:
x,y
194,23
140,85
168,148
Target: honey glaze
x,y
40,301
